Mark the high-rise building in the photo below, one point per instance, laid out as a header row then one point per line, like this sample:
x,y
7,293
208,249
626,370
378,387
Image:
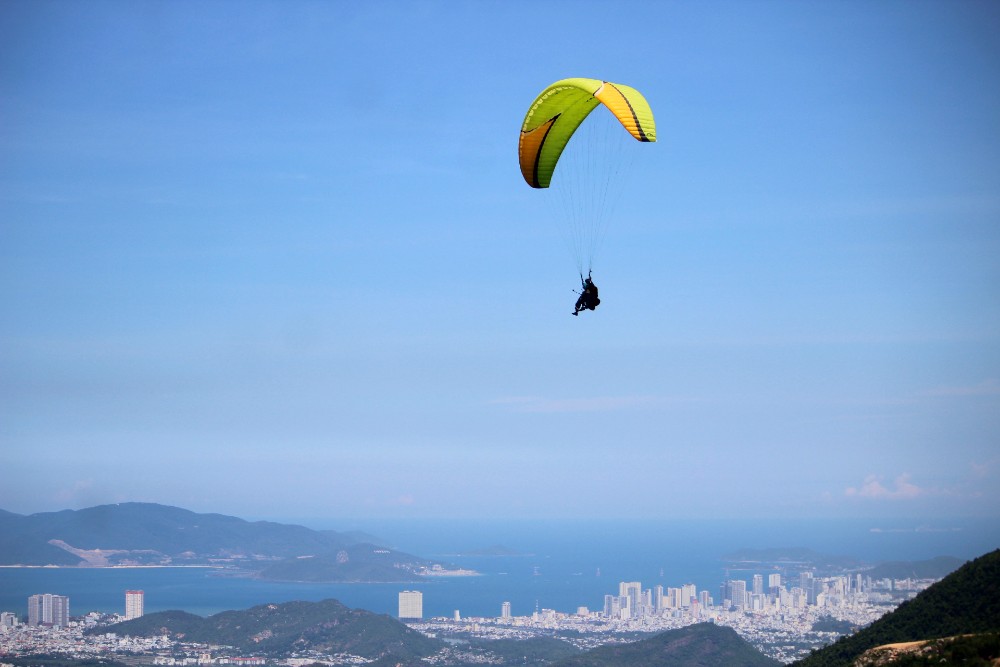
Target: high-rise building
x,y
411,605
610,606
133,604
738,593
7,620
505,610
758,584
633,591
625,610
48,609
689,592
673,598
60,611
806,581
35,610
774,587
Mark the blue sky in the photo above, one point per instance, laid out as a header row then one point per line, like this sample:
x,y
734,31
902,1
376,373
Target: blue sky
x,y
277,259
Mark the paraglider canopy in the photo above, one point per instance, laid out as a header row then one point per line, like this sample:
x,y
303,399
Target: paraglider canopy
x,y
558,111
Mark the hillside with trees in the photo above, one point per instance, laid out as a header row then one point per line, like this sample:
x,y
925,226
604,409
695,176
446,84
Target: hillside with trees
x,y
281,629
965,602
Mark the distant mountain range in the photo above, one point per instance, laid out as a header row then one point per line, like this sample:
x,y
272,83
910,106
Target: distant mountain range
x,y
824,564
793,556
150,534
966,602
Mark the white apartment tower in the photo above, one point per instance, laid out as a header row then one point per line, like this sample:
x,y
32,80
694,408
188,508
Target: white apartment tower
x,y
738,593
505,610
633,591
48,609
411,605
689,593
133,604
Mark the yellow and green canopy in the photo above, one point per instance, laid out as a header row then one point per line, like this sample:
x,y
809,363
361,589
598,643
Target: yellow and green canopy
x,y
556,113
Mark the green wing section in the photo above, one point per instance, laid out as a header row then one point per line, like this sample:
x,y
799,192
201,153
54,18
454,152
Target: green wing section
x,y
556,113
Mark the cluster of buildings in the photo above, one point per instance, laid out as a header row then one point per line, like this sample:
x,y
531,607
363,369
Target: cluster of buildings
x,y
48,630
50,610
633,602
46,609
71,642
781,618
776,615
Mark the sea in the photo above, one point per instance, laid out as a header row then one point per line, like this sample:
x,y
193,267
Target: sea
x,y
560,565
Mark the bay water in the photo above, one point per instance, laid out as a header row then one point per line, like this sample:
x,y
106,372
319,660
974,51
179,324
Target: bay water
x,y
559,565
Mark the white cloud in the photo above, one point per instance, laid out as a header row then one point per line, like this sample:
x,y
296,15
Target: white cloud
x,y
985,469
873,488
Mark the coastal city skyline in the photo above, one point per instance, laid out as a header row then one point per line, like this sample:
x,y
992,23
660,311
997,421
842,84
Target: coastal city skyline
x,y
632,601
780,621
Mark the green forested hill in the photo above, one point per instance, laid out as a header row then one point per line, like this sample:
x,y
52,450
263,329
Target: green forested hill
x,y
279,629
701,645
966,601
